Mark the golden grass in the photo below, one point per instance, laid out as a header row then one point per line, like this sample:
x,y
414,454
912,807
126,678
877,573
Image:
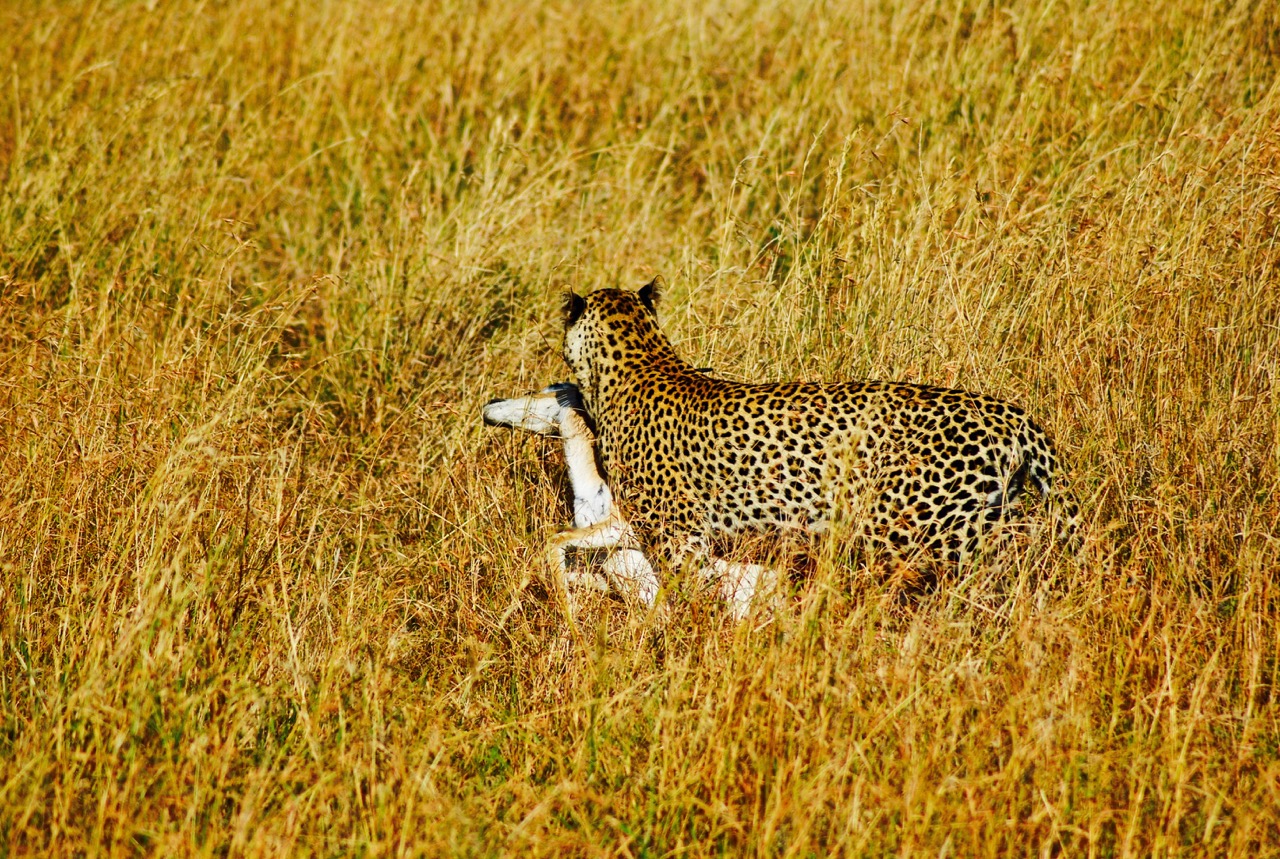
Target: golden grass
x,y
269,586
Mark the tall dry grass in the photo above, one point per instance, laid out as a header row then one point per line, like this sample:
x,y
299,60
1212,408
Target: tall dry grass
x,y
268,586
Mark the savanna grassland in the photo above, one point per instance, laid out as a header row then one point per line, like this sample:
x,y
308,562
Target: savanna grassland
x,y
268,586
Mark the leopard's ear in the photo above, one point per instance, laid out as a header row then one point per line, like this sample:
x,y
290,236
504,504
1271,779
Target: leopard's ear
x,y
649,295
574,304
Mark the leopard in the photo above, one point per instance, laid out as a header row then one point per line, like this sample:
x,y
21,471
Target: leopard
x,y
919,476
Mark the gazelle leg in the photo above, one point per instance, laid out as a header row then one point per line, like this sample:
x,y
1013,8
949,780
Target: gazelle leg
x,y
740,584
744,584
631,574
603,535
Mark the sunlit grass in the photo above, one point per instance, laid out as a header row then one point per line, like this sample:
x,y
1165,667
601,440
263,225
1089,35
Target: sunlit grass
x,y
267,585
